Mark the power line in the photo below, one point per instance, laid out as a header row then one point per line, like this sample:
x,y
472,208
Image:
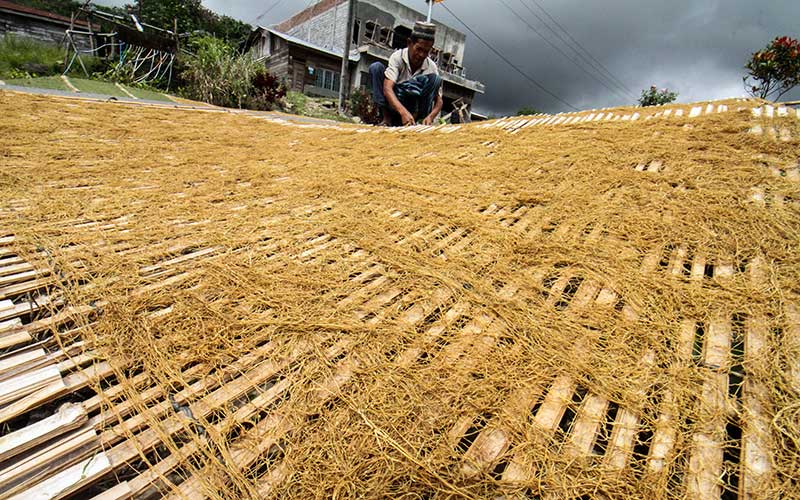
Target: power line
x,y
502,57
582,47
275,4
611,80
561,51
596,64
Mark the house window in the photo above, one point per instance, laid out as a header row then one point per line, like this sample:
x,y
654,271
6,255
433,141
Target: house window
x,y
400,38
327,79
356,32
266,45
369,30
385,36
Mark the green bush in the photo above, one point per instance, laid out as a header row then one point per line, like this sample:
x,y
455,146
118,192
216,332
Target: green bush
x,y
295,102
22,57
655,97
217,74
527,111
125,73
95,66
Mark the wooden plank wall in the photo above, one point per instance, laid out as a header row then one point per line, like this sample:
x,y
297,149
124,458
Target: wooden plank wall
x,y
40,30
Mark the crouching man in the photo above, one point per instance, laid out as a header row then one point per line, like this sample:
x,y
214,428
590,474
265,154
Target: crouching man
x,y
409,90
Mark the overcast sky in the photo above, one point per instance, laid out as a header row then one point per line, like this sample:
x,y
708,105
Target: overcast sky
x,y
696,47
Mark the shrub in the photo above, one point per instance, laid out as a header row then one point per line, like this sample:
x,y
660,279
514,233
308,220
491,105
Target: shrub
x,y
93,65
26,57
361,105
527,111
774,71
217,74
295,102
267,91
127,73
655,97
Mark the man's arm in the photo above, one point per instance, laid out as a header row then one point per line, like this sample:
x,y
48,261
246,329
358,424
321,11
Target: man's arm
x,y
437,108
395,104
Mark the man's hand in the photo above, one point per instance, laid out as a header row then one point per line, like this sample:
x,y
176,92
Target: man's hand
x,y
406,118
428,120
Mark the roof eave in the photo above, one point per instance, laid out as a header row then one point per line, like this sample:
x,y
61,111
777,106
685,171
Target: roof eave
x,y
40,15
355,56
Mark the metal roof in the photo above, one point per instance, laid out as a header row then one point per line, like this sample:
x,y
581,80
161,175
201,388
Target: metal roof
x,y
355,56
38,13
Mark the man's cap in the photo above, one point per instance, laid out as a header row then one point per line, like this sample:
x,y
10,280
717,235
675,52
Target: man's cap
x,y
424,31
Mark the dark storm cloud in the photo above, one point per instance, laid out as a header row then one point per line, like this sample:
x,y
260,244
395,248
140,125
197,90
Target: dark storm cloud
x,y
696,47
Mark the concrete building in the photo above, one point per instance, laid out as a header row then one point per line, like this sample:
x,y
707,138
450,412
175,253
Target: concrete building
x,y
306,49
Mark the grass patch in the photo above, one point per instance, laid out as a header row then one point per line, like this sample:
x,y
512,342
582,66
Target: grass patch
x,y
88,87
300,104
296,102
97,87
150,95
20,56
327,114
46,82
110,88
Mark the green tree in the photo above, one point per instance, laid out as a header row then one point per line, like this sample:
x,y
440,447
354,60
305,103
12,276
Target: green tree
x,y
774,71
655,97
162,13
191,16
229,29
527,111
62,7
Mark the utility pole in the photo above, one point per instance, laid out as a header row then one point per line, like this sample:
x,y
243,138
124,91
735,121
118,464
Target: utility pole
x,y
177,38
344,80
430,9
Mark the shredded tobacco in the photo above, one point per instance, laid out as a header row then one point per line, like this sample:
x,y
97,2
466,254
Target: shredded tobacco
x,y
602,309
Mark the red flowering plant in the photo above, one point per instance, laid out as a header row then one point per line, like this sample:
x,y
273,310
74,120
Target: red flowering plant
x,y
774,71
267,91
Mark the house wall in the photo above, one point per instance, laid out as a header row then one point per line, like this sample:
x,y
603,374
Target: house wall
x,y
303,59
453,92
393,14
38,29
325,29
278,62
306,14
291,64
325,23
